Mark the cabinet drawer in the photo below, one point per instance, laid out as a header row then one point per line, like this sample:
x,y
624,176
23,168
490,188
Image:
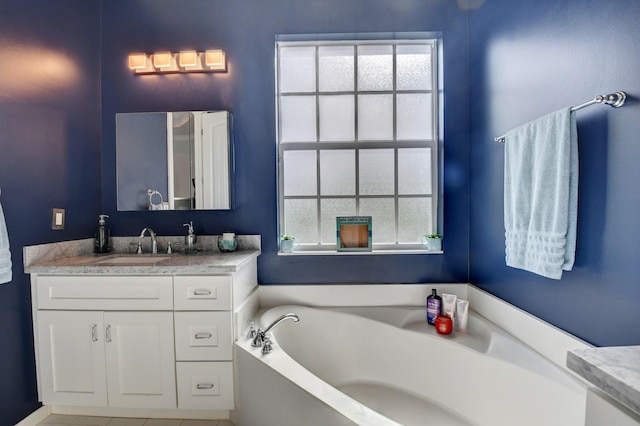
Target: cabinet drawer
x,y
104,292
203,336
200,293
205,385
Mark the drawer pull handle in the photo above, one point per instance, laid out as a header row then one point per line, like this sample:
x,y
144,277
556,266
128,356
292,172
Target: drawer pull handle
x,y
94,333
108,333
204,386
201,292
203,335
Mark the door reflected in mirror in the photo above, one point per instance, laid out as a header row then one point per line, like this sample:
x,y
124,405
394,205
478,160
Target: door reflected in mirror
x,y
180,160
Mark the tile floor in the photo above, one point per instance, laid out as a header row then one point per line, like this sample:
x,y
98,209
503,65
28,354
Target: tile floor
x,y
70,420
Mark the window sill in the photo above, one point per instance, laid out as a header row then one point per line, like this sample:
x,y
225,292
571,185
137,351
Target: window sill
x,y
357,253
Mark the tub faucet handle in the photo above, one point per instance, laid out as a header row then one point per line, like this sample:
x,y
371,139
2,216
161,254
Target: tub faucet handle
x,y
252,330
257,340
266,347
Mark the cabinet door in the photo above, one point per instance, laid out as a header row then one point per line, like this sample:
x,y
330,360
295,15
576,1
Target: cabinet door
x,y
71,358
140,359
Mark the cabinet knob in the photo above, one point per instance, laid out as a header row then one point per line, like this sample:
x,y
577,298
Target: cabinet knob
x,y
94,333
107,333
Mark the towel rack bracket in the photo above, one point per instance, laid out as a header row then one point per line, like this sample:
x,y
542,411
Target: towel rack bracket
x,y
616,100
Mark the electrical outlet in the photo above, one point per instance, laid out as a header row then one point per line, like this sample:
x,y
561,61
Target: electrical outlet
x,y
57,219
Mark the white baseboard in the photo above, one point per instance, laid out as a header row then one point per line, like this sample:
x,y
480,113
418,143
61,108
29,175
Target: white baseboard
x,y
36,417
142,413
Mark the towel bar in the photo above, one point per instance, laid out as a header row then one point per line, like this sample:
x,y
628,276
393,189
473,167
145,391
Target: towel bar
x,y
616,100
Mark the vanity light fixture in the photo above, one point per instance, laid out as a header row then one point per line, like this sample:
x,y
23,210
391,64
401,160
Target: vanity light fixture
x,y
140,63
190,60
165,62
184,61
216,60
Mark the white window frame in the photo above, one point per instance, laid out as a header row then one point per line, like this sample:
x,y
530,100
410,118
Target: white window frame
x,y
435,144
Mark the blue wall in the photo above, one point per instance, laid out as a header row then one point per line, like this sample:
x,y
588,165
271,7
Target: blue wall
x,y
49,157
528,59
505,63
246,30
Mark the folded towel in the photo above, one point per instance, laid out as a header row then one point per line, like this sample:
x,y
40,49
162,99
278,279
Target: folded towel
x,y
541,194
5,254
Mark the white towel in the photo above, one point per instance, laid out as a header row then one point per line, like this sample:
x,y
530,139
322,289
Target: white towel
x,y
5,254
541,194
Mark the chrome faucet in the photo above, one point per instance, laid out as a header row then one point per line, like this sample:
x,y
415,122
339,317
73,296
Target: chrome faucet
x,y
154,242
261,336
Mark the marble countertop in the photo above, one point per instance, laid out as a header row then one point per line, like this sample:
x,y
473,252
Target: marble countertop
x,y
77,257
615,370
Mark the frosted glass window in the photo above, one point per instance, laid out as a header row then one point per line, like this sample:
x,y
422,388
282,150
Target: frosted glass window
x,y
301,220
357,124
298,115
414,116
337,118
413,67
377,172
375,117
414,219
383,218
336,68
298,69
375,67
330,208
338,172
414,171
300,173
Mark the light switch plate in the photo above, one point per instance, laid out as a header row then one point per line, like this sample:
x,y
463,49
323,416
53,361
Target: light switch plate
x,y
57,219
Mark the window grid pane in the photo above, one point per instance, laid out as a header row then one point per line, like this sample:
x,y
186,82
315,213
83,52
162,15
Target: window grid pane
x,y
337,172
336,68
297,69
337,122
298,119
329,209
373,103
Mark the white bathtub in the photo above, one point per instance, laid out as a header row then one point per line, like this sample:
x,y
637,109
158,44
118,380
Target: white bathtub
x,y
387,366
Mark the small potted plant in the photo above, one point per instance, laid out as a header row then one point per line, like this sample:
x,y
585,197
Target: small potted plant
x,y
286,243
433,242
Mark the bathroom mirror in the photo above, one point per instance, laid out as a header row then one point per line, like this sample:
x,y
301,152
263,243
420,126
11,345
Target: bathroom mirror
x,y
174,160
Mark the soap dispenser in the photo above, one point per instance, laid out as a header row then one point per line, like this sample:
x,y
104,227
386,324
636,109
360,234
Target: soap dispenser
x,y
190,238
102,242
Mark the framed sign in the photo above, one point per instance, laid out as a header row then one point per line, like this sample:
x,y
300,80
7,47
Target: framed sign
x,y
353,233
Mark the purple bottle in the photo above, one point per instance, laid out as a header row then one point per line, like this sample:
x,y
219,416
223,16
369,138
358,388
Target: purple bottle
x,y
434,307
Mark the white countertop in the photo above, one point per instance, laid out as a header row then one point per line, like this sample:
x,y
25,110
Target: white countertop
x,y
615,370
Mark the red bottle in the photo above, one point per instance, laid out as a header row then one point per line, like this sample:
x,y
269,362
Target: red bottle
x,y
444,324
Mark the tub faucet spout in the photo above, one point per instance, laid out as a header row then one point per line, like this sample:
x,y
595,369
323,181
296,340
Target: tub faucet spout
x,y
262,337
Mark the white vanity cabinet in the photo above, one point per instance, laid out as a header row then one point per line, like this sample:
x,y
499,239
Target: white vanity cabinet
x,y
140,341
102,356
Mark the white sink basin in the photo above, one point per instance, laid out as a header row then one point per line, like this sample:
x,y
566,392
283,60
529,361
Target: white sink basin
x,y
133,260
